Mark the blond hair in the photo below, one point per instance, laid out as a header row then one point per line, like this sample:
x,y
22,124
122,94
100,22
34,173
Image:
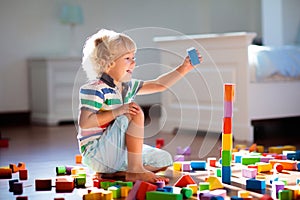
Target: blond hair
x,y
102,48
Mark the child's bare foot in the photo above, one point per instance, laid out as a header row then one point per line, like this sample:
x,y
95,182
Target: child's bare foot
x,y
146,176
115,175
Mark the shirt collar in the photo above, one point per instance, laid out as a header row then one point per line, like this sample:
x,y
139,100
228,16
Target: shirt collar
x,y
107,79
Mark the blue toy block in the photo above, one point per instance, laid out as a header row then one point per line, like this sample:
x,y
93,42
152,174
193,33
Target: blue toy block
x,y
238,158
236,198
226,174
298,166
168,189
193,56
255,184
198,165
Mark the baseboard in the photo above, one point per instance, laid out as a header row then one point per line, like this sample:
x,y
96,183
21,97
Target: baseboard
x,y
14,118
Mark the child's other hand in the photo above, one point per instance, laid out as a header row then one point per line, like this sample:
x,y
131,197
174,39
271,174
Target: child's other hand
x,y
187,62
131,108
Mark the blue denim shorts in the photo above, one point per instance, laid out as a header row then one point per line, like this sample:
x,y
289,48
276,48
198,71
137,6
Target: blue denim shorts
x,y
108,153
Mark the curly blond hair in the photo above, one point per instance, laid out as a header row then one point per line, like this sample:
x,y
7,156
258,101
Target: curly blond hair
x,y
102,48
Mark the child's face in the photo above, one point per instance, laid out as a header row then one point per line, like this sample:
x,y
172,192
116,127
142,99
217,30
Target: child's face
x,y
123,68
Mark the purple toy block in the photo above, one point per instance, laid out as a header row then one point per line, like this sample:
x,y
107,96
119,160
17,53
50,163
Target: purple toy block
x,y
134,190
266,159
249,172
186,166
178,158
276,186
228,112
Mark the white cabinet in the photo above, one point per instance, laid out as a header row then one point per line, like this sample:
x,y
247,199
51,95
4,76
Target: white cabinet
x,y
52,81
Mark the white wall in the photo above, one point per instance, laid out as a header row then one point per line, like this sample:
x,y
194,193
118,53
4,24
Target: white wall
x,y
281,21
32,28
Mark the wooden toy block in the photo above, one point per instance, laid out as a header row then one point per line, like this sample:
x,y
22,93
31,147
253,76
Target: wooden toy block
x,y
260,177
249,172
236,198
295,191
160,142
43,184
184,180
96,183
13,167
183,151
198,165
78,159
21,165
17,188
186,192
177,166
263,167
252,148
125,191
243,194
214,183
285,195
193,55
218,172
249,160
226,157
92,196
260,148
226,174
266,197
168,189
204,186
254,184
266,159
186,167
155,195
4,143
61,170
229,92
116,191
160,184
287,164
107,195
227,141
132,193
5,173
228,109
144,187
65,184
227,125
178,158
106,184
23,174
276,187
59,198
212,161
11,184
219,193
193,187
22,198
80,181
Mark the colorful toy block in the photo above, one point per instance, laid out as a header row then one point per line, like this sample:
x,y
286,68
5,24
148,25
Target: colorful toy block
x,y
212,161
204,186
198,165
5,173
134,190
178,158
228,92
116,191
228,108
186,192
193,55
285,195
266,197
17,188
155,195
78,159
186,166
160,142
11,184
227,141
61,170
287,164
92,196
249,160
226,174
276,187
13,167
177,166
243,194
21,165
43,184
22,198
65,184
184,180
226,157
23,174
214,183
227,125
249,172
193,187
144,187
125,191
255,184
263,167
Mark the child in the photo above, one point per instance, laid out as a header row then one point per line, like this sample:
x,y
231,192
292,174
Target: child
x,y
111,124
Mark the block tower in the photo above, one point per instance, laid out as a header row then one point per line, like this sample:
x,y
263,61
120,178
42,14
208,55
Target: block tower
x,y
227,133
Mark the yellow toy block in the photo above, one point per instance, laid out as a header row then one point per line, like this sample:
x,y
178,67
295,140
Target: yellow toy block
x,y
243,194
177,166
214,183
263,167
194,187
260,177
226,141
260,148
125,190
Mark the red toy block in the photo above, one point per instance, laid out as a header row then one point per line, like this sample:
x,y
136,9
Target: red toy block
x,y
64,184
184,181
22,198
5,173
160,142
43,184
23,174
3,143
59,198
144,187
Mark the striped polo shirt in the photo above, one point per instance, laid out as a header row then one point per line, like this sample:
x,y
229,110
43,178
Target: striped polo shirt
x,y
102,95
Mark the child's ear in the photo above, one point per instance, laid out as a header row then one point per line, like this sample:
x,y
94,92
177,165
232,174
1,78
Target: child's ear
x,y
112,64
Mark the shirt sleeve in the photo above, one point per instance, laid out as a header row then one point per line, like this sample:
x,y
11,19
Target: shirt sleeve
x,y
90,98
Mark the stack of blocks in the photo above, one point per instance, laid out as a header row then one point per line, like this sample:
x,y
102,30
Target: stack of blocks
x,y
227,133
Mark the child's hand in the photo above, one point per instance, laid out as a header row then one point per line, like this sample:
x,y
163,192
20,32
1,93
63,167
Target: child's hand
x,y
131,108
187,62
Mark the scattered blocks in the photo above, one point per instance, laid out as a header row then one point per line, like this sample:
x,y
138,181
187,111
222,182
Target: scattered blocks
x,y
5,173
255,184
287,164
214,183
184,181
65,184
186,192
249,172
198,165
160,142
22,198
155,195
78,159
144,187
43,184
23,174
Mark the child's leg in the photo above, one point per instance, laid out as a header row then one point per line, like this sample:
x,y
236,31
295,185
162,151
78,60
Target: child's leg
x,y
134,142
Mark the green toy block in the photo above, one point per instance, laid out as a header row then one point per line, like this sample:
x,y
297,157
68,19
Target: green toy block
x,y
250,160
155,195
203,186
226,157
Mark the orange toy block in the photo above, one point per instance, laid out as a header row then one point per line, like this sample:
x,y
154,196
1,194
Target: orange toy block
x,y
144,187
286,164
5,173
21,165
184,181
253,148
64,184
13,167
23,174
78,159
229,92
